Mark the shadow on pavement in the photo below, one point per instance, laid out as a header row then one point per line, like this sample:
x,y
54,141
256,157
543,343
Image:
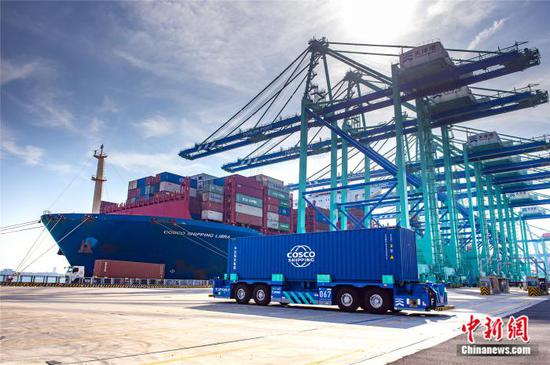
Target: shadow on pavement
x,y
327,314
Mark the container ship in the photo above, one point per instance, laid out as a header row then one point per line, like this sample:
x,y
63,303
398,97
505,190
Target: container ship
x,y
181,223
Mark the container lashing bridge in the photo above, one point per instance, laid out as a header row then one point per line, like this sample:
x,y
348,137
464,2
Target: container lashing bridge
x,y
466,192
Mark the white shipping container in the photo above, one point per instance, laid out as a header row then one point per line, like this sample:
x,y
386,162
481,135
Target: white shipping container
x,y
193,192
424,54
272,224
528,211
212,215
481,139
248,209
272,216
169,186
132,184
450,95
521,195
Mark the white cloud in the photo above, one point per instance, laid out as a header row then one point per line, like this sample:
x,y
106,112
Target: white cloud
x,y
136,161
63,168
185,130
487,33
140,164
96,126
108,106
437,8
465,13
95,132
156,126
46,105
207,41
41,98
31,155
11,71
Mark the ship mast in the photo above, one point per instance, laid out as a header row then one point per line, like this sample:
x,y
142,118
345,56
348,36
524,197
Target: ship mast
x,y
98,178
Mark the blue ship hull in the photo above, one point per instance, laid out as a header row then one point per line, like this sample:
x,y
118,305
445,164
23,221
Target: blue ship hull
x,y
188,248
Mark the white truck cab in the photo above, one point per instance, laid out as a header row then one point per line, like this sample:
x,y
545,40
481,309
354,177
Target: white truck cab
x,y
74,274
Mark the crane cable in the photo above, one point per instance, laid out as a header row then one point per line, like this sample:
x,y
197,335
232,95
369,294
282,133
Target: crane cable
x,y
56,243
18,225
20,230
79,172
274,145
265,101
34,244
214,247
30,249
215,250
295,73
77,175
254,99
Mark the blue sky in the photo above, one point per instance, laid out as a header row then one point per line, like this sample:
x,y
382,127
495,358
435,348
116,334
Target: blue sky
x,y
149,78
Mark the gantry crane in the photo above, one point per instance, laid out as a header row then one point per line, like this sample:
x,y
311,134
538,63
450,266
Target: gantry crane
x,y
429,180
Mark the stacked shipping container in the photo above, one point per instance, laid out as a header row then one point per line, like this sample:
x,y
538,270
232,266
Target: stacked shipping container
x,y
211,192
259,202
243,201
150,186
314,220
173,204
277,203
105,205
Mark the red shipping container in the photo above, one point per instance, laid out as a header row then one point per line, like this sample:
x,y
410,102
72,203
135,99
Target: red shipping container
x,y
272,208
243,180
249,220
271,200
250,191
236,184
132,193
194,205
106,206
284,219
128,269
218,207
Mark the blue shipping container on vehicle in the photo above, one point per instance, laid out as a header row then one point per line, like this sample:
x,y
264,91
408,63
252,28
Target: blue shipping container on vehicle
x,y
353,255
193,183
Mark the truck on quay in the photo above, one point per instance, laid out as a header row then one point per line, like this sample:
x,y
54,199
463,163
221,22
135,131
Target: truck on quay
x,y
74,274
375,269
